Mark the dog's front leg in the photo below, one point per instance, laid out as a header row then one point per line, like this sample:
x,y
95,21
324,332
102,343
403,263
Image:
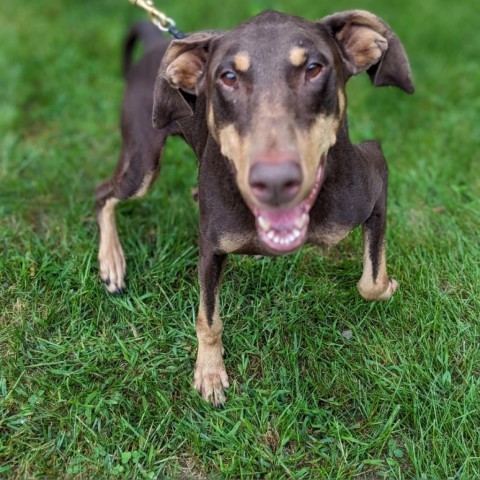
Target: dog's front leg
x,y
210,377
375,283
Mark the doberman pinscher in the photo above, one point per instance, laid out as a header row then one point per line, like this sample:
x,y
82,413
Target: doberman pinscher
x,y
263,107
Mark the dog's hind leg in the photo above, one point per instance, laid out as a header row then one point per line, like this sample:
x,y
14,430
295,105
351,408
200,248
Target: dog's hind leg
x,y
375,283
210,377
135,173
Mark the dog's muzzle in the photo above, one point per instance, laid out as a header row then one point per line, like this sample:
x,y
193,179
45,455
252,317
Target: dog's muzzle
x,y
282,229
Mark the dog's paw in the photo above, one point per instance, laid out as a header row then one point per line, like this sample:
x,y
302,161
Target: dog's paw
x,y
391,289
211,382
378,292
112,265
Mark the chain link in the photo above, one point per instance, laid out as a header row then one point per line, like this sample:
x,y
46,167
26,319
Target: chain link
x,y
159,19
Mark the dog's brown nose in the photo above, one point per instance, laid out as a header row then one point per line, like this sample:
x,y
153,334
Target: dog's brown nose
x,y
275,183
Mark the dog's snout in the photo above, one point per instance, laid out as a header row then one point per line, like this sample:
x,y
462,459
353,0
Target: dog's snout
x,y
275,183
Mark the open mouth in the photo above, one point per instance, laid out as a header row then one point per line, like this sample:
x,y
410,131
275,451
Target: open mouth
x,y
283,230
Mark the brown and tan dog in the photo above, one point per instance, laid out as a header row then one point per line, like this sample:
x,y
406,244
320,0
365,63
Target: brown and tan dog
x,y
263,106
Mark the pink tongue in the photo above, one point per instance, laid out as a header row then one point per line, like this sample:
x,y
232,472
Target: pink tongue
x,y
282,220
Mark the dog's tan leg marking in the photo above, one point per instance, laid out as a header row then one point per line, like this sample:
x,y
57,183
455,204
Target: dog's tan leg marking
x,y
210,378
147,181
381,287
111,258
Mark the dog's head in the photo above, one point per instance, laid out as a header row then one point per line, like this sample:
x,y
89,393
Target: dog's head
x,y
275,96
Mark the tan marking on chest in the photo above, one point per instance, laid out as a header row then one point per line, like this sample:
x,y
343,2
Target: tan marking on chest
x,y
230,242
330,235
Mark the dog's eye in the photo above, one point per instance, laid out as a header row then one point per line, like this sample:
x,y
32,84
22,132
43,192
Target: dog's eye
x,y
312,71
229,78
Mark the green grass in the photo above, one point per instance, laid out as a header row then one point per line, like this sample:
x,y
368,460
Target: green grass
x,y
95,386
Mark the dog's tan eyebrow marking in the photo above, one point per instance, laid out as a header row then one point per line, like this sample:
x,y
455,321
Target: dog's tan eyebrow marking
x,y
241,61
298,56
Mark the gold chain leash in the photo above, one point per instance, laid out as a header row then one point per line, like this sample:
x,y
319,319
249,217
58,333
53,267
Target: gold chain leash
x,y
158,18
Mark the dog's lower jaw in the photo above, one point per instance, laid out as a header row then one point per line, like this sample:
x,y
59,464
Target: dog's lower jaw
x,y
285,230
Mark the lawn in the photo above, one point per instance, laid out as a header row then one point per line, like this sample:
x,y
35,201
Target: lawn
x,y
323,384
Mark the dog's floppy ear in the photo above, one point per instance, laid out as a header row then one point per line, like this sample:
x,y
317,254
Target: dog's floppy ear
x,y
181,75
367,43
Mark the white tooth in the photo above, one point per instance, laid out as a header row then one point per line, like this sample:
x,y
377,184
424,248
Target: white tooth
x,y
264,224
271,234
291,238
300,222
296,233
276,239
